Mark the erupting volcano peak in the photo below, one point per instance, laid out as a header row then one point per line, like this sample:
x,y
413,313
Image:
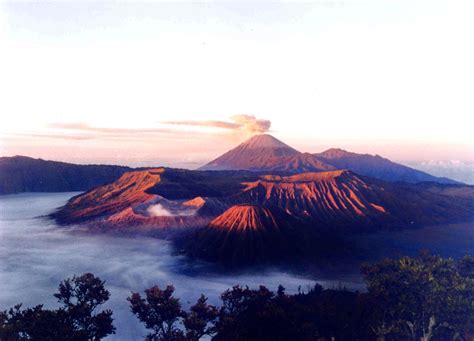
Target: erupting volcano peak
x,y
266,153
265,141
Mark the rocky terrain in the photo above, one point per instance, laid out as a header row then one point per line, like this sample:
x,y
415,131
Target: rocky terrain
x,y
268,201
247,234
344,199
165,197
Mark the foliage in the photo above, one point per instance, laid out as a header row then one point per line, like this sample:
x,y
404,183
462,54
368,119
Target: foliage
x,y
199,321
427,297
159,311
162,313
76,319
424,298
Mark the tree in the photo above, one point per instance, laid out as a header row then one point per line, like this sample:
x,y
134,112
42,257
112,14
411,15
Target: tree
x,y
162,313
200,320
466,267
80,297
259,314
30,324
159,311
426,297
76,319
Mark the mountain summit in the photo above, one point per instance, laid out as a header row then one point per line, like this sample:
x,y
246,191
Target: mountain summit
x,y
266,153
377,167
267,141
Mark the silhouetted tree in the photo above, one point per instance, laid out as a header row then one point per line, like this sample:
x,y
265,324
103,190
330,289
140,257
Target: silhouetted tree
x,y
466,267
200,320
76,319
258,315
427,298
162,313
80,297
159,311
31,324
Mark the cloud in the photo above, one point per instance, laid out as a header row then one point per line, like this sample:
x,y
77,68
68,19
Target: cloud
x,y
76,131
82,131
446,163
82,127
461,170
247,123
212,124
49,136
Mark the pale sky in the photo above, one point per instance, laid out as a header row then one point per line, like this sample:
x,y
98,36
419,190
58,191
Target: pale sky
x,y
160,83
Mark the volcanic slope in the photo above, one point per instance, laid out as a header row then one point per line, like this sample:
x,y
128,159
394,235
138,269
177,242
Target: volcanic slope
x,y
183,196
335,199
344,199
266,153
249,234
298,217
377,167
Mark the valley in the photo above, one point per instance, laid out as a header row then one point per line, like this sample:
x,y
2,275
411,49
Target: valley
x,y
34,249
266,214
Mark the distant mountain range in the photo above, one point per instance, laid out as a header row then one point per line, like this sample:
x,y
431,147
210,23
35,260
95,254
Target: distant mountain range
x,y
266,153
261,153
25,174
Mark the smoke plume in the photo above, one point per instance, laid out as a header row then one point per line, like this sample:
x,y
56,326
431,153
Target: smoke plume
x,y
241,122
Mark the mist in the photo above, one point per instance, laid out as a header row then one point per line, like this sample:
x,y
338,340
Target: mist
x,y
36,254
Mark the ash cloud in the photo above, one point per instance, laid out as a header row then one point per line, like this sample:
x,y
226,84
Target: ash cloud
x,y
240,122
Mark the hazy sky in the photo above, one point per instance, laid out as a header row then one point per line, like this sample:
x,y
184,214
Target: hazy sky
x,y
178,84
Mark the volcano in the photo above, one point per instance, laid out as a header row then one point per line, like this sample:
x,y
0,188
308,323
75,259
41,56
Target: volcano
x,y
129,200
343,199
240,218
335,200
250,234
266,153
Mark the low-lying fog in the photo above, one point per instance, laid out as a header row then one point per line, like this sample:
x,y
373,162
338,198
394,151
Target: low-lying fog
x,y
36,254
